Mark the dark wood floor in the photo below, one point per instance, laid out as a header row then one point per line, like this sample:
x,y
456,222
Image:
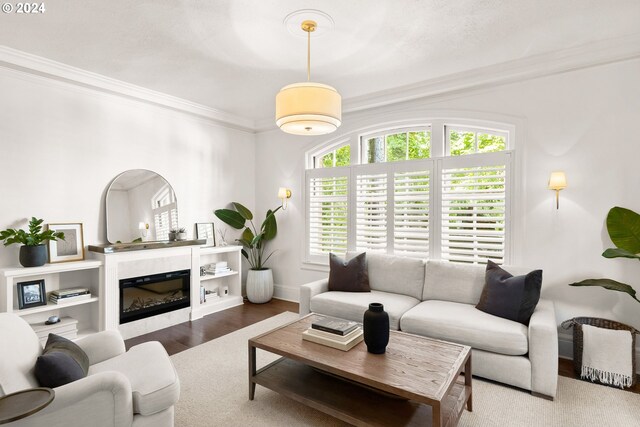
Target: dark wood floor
x,y
190,334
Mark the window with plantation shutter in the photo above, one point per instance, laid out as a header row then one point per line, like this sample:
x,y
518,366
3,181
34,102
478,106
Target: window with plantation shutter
x,y
439,190
474,210
327,212
371,212
411,214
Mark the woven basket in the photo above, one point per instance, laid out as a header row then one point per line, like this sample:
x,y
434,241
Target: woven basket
x,y
577,323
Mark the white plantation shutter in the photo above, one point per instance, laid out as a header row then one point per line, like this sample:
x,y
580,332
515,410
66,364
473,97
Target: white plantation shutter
x,y
411,214
371,212
327,191
474,208
165,219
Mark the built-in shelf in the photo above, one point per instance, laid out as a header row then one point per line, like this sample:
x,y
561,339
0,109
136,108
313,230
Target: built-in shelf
x,y
50,268
217,276
52,306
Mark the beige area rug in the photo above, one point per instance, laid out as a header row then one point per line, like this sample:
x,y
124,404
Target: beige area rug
x,y
214,384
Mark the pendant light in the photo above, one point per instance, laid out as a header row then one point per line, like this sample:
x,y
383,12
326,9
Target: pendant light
x,y
308,108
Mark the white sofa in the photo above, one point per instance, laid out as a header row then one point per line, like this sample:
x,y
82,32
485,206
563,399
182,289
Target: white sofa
x,y
135,388
437,299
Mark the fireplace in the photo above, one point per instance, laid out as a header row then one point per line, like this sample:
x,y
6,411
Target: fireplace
x,y
147,296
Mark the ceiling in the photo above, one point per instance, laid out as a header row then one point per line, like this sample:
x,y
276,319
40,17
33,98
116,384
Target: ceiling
x,y
234,55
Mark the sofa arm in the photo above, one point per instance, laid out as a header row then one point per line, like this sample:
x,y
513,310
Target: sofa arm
x,y
99,400
102,346
310,290
543,349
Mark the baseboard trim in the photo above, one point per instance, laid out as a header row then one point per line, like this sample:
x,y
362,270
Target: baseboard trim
x,y
287,293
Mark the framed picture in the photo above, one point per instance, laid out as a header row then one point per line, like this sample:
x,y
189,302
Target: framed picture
x,y
31,294
205,230
69,249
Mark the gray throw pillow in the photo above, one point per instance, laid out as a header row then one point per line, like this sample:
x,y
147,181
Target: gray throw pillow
x,y
351,276
62,362
510,297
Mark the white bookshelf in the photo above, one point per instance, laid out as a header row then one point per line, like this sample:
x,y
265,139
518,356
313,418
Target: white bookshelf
x,y
86,274
232,280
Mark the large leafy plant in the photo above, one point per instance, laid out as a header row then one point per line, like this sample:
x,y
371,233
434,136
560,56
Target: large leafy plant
x,y
252,239
623,226
34,237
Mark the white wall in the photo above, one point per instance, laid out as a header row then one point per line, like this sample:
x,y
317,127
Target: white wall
x,y
583,122
61,145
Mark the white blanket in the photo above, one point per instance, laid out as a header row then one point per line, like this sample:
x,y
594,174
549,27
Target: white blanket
x,y
606,356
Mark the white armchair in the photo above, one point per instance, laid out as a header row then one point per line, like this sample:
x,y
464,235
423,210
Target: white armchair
x,y
135,388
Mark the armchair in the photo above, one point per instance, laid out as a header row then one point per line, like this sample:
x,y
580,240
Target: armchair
x,y
135,388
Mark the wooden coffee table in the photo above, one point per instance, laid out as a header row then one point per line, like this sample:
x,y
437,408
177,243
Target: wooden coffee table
x,y
417,381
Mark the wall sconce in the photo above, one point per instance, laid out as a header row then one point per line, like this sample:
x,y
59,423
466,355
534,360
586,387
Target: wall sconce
x,y
144,228
557,182
284,194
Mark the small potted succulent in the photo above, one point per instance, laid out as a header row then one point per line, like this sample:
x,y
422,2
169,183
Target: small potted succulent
x,y
178,234
33,252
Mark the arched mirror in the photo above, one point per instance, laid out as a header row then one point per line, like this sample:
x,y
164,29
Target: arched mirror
x,y
141,207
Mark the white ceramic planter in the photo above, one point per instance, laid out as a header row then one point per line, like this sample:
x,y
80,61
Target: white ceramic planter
x,y
260,286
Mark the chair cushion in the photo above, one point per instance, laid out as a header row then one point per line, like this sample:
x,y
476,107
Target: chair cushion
x,y
348,276
62,362
448,281
154,381
510,297
464,324
352,305
398,275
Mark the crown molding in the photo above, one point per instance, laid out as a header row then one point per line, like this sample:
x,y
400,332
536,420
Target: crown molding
x,y
527,68
42,67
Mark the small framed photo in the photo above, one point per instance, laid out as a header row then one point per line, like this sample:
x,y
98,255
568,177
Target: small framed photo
x,y
31,294
205,230
69,249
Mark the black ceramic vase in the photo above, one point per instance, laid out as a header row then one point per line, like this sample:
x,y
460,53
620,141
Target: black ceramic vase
x,y
33,256
376,328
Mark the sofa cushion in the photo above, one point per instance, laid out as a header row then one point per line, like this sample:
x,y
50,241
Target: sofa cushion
x,y
448,281
394,274
352,305
464,324
154,381
348,276
510,297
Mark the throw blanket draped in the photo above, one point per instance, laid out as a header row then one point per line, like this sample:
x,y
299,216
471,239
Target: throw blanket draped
x,y
606,356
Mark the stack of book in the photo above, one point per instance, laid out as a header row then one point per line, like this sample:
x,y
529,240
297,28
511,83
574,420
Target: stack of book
x,y
67,327
217,268
63,296
334,332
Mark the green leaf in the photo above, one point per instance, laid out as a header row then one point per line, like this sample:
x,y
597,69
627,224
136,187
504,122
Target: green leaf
x,y
244,253
608,284
269,226
138,240
229,217
623,226
247,235
246,213
619,253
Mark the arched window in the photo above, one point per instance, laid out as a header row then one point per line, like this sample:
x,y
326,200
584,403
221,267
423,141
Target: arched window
x,y
438,190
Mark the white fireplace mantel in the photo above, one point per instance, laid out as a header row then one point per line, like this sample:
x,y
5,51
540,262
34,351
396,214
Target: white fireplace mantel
x,y
123,265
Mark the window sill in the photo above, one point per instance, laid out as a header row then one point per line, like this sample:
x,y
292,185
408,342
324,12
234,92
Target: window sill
x,y
315,266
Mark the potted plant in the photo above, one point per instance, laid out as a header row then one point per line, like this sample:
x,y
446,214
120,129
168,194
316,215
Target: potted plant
x,y
33,252
623,226
178,234
254,242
